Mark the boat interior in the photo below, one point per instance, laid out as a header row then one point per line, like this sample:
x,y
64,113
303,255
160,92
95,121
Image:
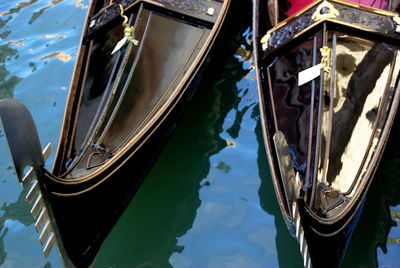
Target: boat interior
x,y
121,87
329,83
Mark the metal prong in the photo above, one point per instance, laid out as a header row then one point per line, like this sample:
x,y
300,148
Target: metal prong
x,y
294,210
37,206
27,179
298,227
43,217
305,255
33,192
47,151
49,245
45,232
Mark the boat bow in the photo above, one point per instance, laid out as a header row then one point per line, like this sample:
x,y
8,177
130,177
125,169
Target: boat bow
x,y
328,85
134,72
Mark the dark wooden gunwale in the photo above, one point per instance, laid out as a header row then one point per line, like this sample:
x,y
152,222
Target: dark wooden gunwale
x,y
111,12
258,33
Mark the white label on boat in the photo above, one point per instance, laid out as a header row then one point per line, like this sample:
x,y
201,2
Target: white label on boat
x,y
120,44
309,74
210,11
92,23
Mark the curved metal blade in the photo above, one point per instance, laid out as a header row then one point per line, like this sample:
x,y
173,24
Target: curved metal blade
x,y
22,136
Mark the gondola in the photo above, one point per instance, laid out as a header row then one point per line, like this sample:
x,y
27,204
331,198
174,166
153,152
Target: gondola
x,y
328,82
137,65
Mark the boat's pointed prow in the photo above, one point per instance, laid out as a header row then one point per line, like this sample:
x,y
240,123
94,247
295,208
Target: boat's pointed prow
x,y
22,136
120,111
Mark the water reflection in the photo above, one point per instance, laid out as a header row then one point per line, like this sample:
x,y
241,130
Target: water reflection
x,y
7,84
287,247
167,204
374,241
26,37
14,9
40,12
18,211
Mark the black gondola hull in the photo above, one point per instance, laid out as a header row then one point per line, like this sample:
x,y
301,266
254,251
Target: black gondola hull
x,y
139,64
329,92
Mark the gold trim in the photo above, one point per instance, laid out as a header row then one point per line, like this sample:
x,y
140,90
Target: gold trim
x,y
325,53
129,31
332,17
325,11
265,40
396,20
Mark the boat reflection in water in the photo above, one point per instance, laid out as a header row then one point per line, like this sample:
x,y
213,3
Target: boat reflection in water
x,y
167,204
328,84
380,214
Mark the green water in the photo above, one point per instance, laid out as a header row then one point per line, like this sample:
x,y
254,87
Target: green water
x,y
209,200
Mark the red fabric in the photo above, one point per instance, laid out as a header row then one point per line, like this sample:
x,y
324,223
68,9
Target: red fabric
x,y
297,5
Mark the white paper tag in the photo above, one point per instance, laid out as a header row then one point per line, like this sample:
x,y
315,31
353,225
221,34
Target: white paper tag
x,y
120,44
309,74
